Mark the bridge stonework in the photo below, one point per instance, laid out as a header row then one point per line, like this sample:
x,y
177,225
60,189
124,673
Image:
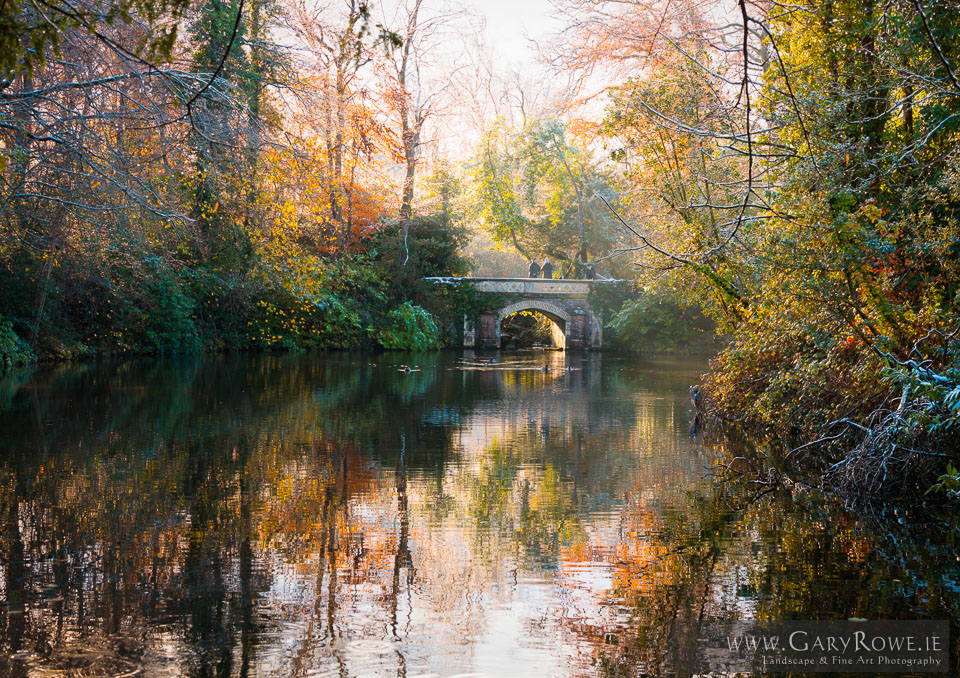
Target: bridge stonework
x,y
562,301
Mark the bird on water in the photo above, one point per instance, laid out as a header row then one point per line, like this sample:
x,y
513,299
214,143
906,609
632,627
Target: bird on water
x,y
696,397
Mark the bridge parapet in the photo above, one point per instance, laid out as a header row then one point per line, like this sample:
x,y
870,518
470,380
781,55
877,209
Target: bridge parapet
x,y
536,286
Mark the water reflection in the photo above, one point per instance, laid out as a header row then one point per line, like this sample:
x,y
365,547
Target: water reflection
x,y
531,514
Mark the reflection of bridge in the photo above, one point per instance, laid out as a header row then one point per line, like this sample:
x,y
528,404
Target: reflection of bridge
x,y
562,301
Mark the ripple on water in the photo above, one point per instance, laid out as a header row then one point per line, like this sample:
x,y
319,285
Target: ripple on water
x,y
369,646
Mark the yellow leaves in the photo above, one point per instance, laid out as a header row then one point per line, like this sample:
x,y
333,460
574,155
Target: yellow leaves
x,y
871,211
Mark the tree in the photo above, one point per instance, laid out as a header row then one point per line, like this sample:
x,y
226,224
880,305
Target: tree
x,y
33,32
418,94
411,110
340,108
679,186
541,195
88,143
826,135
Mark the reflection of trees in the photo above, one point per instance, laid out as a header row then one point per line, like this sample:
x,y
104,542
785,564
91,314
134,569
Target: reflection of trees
x,y
158,497
568,450
734,552
158,517
243,516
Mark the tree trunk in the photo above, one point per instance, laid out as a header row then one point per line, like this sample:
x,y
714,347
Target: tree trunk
x,y
410,123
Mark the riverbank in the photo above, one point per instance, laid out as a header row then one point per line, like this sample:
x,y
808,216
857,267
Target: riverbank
x,y
851,420
293,300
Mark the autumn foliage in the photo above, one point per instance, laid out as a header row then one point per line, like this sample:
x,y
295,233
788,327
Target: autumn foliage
x,y
226,196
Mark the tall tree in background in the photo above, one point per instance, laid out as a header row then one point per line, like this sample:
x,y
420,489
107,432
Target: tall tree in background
x,y
541,194
420,88
231,42
340,107
409,105
547,150
678,185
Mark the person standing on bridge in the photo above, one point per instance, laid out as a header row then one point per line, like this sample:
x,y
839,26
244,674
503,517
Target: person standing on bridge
x,y
547,268
534,269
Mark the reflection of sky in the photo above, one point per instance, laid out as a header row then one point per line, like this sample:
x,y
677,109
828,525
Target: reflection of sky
x,y
474,606
476,603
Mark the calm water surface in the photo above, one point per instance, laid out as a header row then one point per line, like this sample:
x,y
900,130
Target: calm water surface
x,y
336,515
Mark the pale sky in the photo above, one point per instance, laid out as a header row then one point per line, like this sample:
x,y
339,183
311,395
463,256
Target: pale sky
x,y
510,22
508,26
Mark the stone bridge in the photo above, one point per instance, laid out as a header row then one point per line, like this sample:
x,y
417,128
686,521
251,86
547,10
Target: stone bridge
x,y
562,301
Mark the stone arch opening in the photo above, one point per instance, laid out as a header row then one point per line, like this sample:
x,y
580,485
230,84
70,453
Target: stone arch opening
x,y
559,318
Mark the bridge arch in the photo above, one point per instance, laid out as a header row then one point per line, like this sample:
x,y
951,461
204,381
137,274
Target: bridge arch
x,y
552,311
565,302
557,315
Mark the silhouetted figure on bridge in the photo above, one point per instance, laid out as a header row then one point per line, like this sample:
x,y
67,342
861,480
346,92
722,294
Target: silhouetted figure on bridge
x,y
547,268
590,272
534,269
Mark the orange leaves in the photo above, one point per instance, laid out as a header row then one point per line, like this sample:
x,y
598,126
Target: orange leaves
x,y
583,131
334,175
309,207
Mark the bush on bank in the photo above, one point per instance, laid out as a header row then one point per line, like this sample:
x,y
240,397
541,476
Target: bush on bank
x,y
655,321
847,413
14,351
137,302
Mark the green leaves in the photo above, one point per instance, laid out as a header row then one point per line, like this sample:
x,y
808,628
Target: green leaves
x,y
31,32
948,483
14,352
531,189
409,327
656,321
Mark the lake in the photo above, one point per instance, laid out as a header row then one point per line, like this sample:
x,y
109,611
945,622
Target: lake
x,y
502,514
